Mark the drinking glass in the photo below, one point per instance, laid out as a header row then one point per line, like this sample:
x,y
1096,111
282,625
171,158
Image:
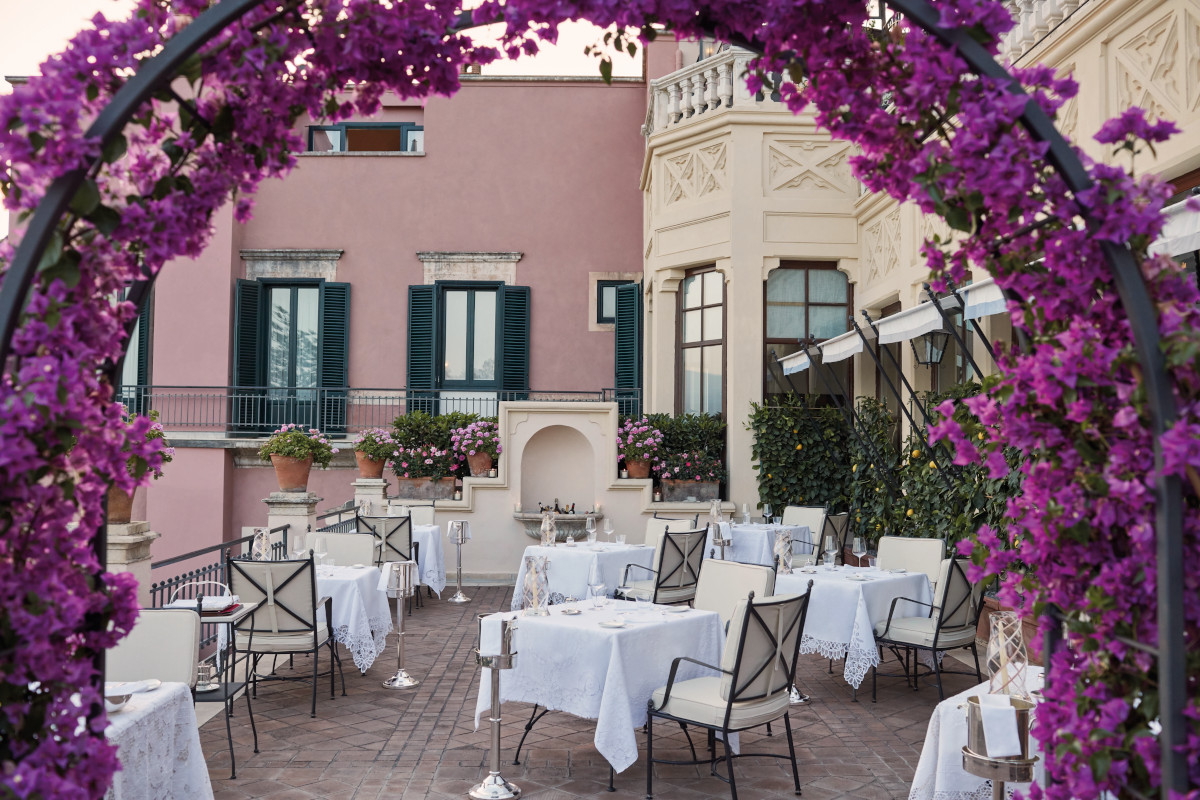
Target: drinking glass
x,y
642,602
598,592
830,550
590,527
859,548
319,548
777,521
620,537
766,511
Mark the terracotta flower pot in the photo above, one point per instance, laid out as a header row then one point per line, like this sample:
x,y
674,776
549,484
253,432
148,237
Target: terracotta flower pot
x,y
480,463
120,505
292,473
638,468
369,467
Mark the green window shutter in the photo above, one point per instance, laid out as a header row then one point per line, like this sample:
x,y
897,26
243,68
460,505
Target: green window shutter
x,y
628,378
514,342
422,339
246,411
333,364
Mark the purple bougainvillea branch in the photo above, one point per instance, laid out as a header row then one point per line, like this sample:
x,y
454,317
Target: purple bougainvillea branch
x,y
927,131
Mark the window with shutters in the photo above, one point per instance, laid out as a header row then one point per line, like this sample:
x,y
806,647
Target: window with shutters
x,y
606,301
805,300
627,315
291,354
467,337
701,335
133,388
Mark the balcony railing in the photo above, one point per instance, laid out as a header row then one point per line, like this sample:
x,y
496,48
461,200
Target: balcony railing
x,y
248,411
1035,20
702,89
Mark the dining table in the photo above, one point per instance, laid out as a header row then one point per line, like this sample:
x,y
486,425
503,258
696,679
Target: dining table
x,y
754,542
571,566
362,618
846,605
601,663
158,745
940,774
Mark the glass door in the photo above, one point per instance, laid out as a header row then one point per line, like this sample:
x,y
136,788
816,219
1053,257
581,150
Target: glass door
x,y
292,326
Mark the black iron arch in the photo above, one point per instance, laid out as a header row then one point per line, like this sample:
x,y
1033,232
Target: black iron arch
x,y
158,72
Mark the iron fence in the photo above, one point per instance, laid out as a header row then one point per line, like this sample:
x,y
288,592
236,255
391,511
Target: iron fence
x,y
258,410
188,585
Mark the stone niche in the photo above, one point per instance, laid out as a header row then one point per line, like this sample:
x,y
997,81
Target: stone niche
x,y
558,462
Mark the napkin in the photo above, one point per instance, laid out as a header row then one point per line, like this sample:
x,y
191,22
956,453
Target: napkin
x,y
999,726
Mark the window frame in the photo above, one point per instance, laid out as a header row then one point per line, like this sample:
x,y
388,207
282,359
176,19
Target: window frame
x,y
767,342
405,128
264,327
681,346
601,285
469,385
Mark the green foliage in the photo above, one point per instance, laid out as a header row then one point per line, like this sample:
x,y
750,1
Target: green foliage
x,y
691,433
802,452
872,464
421,429
294,441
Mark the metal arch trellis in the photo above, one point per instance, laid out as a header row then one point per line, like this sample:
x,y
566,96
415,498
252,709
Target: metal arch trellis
x,y
158,72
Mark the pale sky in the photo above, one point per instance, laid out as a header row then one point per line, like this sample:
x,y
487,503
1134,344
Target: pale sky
x,y
31,30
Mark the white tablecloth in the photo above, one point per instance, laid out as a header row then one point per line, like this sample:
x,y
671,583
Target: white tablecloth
x,y
571,664
755,543
940,775
159,747
362,618
842,613
571,566
430,556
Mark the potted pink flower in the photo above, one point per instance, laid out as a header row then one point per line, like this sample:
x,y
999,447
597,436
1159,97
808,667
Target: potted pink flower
x,y
685,475
478,444
638,443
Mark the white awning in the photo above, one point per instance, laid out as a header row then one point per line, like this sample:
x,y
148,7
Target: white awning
x,y
839,348
912,322
796,362
1181,233
983,299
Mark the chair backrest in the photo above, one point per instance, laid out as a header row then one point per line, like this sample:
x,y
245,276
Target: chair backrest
x,y
394,532
723,583
811,516
914,555
286,592
761,647
350,548
837,526
656,526
164,644
421,515
679,559
960,601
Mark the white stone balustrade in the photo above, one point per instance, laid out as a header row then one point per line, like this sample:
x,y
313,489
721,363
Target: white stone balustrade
x,y
700,89
1034,19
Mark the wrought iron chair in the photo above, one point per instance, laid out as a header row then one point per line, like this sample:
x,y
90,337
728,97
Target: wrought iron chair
x,y
752,687
422,515
914,555
677,568
395,543
285,621
351,548
950,623
837,526
723,584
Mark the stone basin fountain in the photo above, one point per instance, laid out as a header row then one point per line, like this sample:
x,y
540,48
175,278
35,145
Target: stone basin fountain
x,y
566,525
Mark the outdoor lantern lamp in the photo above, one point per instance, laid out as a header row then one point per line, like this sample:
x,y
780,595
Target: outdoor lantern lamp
x,y
930,347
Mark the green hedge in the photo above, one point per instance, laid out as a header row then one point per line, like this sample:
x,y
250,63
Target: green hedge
x,y
691,433
801,453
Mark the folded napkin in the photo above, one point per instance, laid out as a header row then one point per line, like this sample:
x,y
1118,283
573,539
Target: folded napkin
x,y
208,603
999,726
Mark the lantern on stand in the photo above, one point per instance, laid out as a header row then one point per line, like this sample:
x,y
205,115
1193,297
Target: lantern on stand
x,y
535,587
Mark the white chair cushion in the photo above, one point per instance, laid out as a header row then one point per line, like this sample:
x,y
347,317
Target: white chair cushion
x,y
282,642
700,700
918,632
164,644
723,583
914,555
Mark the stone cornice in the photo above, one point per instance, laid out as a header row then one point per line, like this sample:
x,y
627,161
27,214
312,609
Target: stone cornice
x,y
468,257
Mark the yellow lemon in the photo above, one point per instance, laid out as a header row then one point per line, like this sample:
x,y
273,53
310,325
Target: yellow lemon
x,y
795,431
870,466
799,447
768,474
981,436
877,527
877,488
933,465
916,453
854,468
910,512
858,519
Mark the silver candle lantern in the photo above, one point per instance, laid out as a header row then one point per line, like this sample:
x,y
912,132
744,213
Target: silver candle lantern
x,y
457,530
402,584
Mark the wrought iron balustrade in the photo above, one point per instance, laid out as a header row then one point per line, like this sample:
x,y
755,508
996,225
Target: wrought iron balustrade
x,y
249,411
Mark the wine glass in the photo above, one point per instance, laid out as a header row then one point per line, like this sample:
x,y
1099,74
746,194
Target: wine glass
x,y
859,548
320,549
766,512
598,592
590,527
830,550
298,549
608,529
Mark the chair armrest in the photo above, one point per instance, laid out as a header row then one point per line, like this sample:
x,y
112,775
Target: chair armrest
x,y
675,669
625,578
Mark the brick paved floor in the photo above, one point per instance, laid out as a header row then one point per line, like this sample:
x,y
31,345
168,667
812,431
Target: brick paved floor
x,y
421,743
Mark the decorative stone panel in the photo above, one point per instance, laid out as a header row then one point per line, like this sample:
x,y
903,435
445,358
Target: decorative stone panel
x,y
881,245
291,263
469,266
807,167
695,173
1157,65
